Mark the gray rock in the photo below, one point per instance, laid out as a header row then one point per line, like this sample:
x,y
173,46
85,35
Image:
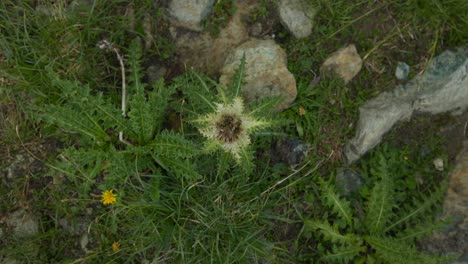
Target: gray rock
x,y
402,70
23,223
266,73
189,14
291,151
443,88
297,16
345,62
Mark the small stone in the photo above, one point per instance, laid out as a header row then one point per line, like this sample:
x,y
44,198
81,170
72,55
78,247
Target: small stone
x,y
266,72
439,164
189,14
345,62
84,240
402,70
291,151
297,16
256,29
348,182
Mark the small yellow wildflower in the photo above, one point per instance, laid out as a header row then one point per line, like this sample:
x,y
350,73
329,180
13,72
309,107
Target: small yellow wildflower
x,y
116,246
405,157
301,111
108,197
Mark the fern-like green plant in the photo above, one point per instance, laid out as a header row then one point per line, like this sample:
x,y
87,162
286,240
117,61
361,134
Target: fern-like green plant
x,y
92,121
387,231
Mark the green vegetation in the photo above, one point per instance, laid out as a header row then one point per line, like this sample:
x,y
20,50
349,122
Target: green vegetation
x,y
187,188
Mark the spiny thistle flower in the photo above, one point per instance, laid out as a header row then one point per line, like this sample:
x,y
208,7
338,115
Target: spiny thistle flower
x,y
116,246
108,197
229,127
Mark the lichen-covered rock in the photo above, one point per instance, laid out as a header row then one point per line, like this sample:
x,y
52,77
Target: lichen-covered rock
x,y
189,14
345,62
266,73
297,16
443,88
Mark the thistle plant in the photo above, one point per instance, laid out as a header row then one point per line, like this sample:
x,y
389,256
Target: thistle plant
x,y
225,121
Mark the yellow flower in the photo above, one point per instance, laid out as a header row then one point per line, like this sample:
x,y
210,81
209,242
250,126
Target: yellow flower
x,y
108,197
116,246
301,111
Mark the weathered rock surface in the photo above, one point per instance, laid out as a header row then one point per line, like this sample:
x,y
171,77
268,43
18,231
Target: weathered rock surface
x,y
443,88
189,14
266,73
204,53
345,62
297,16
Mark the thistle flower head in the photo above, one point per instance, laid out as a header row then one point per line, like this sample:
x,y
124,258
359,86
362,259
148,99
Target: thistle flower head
x,y
229,127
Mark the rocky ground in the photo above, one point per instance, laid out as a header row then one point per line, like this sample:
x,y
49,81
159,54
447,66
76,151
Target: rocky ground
x,y
432,99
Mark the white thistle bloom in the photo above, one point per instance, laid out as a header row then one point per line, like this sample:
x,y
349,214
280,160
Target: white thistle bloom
x,y
229,127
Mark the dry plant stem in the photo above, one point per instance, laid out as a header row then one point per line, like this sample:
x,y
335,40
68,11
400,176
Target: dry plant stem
x,y
104,44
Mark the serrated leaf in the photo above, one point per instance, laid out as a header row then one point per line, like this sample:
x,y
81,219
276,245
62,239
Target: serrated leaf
x,y
183,169
171,145
379,207
391,250
343,253
135,76
141,119
337,204
332,233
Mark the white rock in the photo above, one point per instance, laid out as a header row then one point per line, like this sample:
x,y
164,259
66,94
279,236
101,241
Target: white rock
x,y
189,13
266,72
345,62
297,16
438,164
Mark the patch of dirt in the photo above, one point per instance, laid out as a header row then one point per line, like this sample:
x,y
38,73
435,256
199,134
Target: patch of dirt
x,y
451,129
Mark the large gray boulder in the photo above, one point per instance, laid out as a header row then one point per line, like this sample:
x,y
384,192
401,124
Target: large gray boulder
x,y
297,16
443,88
266,72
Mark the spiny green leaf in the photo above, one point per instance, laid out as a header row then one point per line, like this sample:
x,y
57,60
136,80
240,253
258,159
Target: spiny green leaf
x,y
343,253
391,250
379,207
141,119
332,233
171,145
337,204
135,76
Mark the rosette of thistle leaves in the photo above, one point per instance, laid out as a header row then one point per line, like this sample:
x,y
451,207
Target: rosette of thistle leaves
x,y
225,121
